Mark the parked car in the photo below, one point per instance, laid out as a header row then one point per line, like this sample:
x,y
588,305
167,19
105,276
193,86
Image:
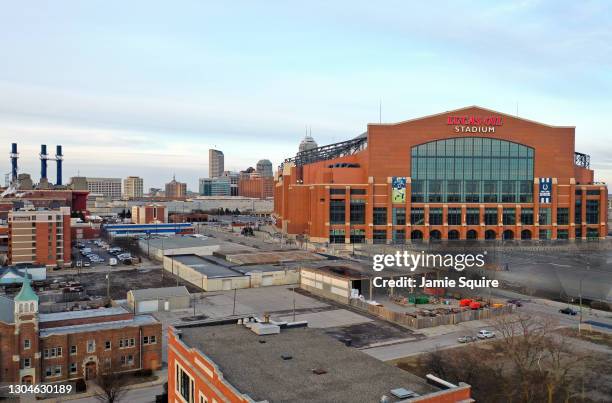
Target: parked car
x,y
112,261
516,302
568,311
466,339
86,264
485,334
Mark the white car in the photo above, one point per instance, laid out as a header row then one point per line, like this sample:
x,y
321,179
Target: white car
x,y
485,334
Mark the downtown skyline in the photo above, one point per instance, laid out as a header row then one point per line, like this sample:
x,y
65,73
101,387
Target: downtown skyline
x,y
147,88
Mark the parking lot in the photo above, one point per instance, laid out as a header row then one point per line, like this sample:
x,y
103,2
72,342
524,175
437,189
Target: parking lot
x,y
100,254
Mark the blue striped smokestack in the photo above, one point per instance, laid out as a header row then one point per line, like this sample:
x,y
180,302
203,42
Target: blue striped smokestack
x,y
14,156
43,161
58,158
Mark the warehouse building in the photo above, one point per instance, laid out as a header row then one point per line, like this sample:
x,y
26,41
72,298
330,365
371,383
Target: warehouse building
x,y
212,273
158,299
470,173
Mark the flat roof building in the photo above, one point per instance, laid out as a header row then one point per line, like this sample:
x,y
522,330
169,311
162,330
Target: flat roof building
x,y
133,187
256,362
39,237
109,187
471,173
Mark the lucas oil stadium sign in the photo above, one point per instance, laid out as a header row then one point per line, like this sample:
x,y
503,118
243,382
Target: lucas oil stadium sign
x,y
475,124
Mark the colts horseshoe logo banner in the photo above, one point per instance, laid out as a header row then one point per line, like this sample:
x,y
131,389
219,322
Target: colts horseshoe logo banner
x,y
545,190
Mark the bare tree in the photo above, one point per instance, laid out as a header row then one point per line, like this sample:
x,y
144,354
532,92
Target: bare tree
x,y
112,387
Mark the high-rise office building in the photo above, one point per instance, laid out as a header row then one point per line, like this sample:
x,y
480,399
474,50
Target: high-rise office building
x,y
176,189
109,187
215,186
132,187
264,168
216,163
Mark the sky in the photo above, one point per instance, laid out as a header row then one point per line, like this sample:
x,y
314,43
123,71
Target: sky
x,y
147,87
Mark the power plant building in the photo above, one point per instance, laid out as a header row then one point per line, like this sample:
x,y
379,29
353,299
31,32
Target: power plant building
x,y
471,173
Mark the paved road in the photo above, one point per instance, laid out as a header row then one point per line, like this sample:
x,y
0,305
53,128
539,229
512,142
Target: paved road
x,y
542,308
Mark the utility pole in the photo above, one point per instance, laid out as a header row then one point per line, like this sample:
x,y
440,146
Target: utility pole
x,y
294,303
234,307
163,257
580,302
108,286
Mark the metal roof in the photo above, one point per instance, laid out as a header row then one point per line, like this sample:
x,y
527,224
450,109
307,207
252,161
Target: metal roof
x,y
205,267
164,292
138,320
87,313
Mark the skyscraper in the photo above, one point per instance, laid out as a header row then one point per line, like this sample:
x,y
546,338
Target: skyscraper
x,y
264,168
132,187
215,163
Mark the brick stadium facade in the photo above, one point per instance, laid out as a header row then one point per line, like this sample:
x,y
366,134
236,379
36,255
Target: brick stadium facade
x,y
471,173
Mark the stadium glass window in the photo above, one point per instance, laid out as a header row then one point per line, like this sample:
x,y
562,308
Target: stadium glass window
x,y
399,236
525,192
399,216
472,192
592,233
465,164
508,192
592,212
578,232
453,191
545,216
545,234
527,216
336,236
380,216
489,190
337,210
562,234
562,216
357,236
337,191
490,216
472,216
379,236
418,191
417,216
435,191
509,216
358,207
358,191
454,216
578,212
592,192
435,216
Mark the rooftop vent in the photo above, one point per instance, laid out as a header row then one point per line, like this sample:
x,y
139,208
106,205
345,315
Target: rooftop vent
x,y
286,357
319,371
403,393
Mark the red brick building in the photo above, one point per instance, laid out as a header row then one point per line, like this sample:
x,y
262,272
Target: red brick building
x,y
149,214
257,187
39,237
62,346
253,362
471,173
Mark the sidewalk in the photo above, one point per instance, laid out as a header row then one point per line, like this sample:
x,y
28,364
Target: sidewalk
x,y
162,377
